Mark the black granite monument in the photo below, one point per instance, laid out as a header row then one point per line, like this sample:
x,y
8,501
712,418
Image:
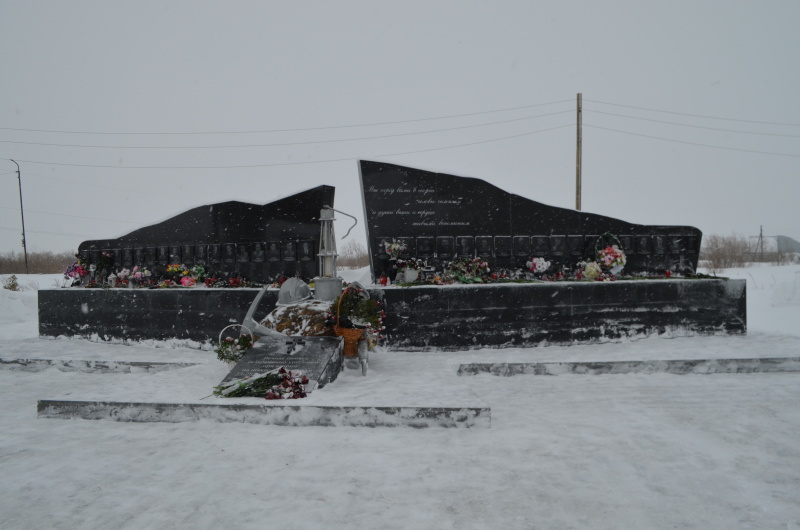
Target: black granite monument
x,y
446,216
229,238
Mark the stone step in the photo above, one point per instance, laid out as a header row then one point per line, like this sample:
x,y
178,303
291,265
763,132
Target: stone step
x,y
688,366
295,415
103,367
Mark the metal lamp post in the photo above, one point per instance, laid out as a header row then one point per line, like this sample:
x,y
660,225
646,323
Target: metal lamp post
x,y
22,214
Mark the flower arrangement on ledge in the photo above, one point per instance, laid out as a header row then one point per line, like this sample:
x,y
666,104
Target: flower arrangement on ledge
x,y
473,270
395,248
354,309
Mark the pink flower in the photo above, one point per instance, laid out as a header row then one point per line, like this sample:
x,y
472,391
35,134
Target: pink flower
x,y
187,281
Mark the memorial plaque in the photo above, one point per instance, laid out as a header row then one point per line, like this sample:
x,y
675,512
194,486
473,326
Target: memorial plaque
x,y
163,256
200,254
243,253
214,255
320,358
444,248
691,244
485,246
127,257
273,250
259,256
409,202
425,247
228,253
465,247
150,256
626,241
305,258
289,250
138,256
677,245
383,242
410,250
558,245
540,245
575,245
94,255
659,244
175,254
522,247
502,246
643,244
187,251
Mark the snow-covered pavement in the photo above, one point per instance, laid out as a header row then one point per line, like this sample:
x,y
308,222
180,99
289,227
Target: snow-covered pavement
x,y
571,451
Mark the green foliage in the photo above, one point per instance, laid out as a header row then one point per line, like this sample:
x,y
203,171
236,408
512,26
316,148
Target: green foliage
x,y
232,350
355,310
254,387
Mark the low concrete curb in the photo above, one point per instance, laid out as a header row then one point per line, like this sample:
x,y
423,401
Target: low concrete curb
x,y
284,415
682,367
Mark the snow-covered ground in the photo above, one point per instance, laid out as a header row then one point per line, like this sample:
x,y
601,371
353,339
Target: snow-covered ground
x,y
573,451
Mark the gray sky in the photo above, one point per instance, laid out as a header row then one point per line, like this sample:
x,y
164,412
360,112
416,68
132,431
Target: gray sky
x,y
300,72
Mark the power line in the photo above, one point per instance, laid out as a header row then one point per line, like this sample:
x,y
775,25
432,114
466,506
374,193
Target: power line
x,y
126,190
295,163
694,143
695,115
43,232
293,130
288,143
695,126
73,216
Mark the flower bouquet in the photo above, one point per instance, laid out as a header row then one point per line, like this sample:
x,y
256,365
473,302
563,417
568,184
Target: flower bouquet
x,y
611,256
467,270
538,265
395,248
356,314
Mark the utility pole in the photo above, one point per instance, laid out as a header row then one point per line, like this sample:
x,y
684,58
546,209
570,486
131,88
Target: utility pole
x,y
579,154
22,214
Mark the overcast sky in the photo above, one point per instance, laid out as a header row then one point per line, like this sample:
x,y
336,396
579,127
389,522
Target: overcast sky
x,y
690,115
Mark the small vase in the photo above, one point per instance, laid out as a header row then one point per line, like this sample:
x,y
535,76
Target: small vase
x,y
392,270
411,275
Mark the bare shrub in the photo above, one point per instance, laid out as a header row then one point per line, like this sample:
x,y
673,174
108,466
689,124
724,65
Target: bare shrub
x,y
724,252
353,256
46,262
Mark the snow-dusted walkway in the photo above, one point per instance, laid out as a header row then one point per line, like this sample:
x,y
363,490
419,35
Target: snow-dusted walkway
x,y
571,451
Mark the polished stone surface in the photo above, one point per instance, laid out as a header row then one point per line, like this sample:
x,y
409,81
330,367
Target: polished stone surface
x,y
448,216
258,242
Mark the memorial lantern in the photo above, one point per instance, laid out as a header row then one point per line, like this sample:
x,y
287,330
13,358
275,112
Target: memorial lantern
x,y
327,286
327,244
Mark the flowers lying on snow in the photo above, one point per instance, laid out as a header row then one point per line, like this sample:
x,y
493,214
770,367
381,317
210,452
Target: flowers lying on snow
x,y
275,384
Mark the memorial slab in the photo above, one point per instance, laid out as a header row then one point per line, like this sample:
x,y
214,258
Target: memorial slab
x,y
320,358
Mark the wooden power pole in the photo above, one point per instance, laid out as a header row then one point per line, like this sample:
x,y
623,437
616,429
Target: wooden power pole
x,y
578,155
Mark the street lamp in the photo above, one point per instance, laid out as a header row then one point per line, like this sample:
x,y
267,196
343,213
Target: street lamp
x,y
22,214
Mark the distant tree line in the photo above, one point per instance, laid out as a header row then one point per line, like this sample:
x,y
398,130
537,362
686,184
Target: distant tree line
x,y
46,262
